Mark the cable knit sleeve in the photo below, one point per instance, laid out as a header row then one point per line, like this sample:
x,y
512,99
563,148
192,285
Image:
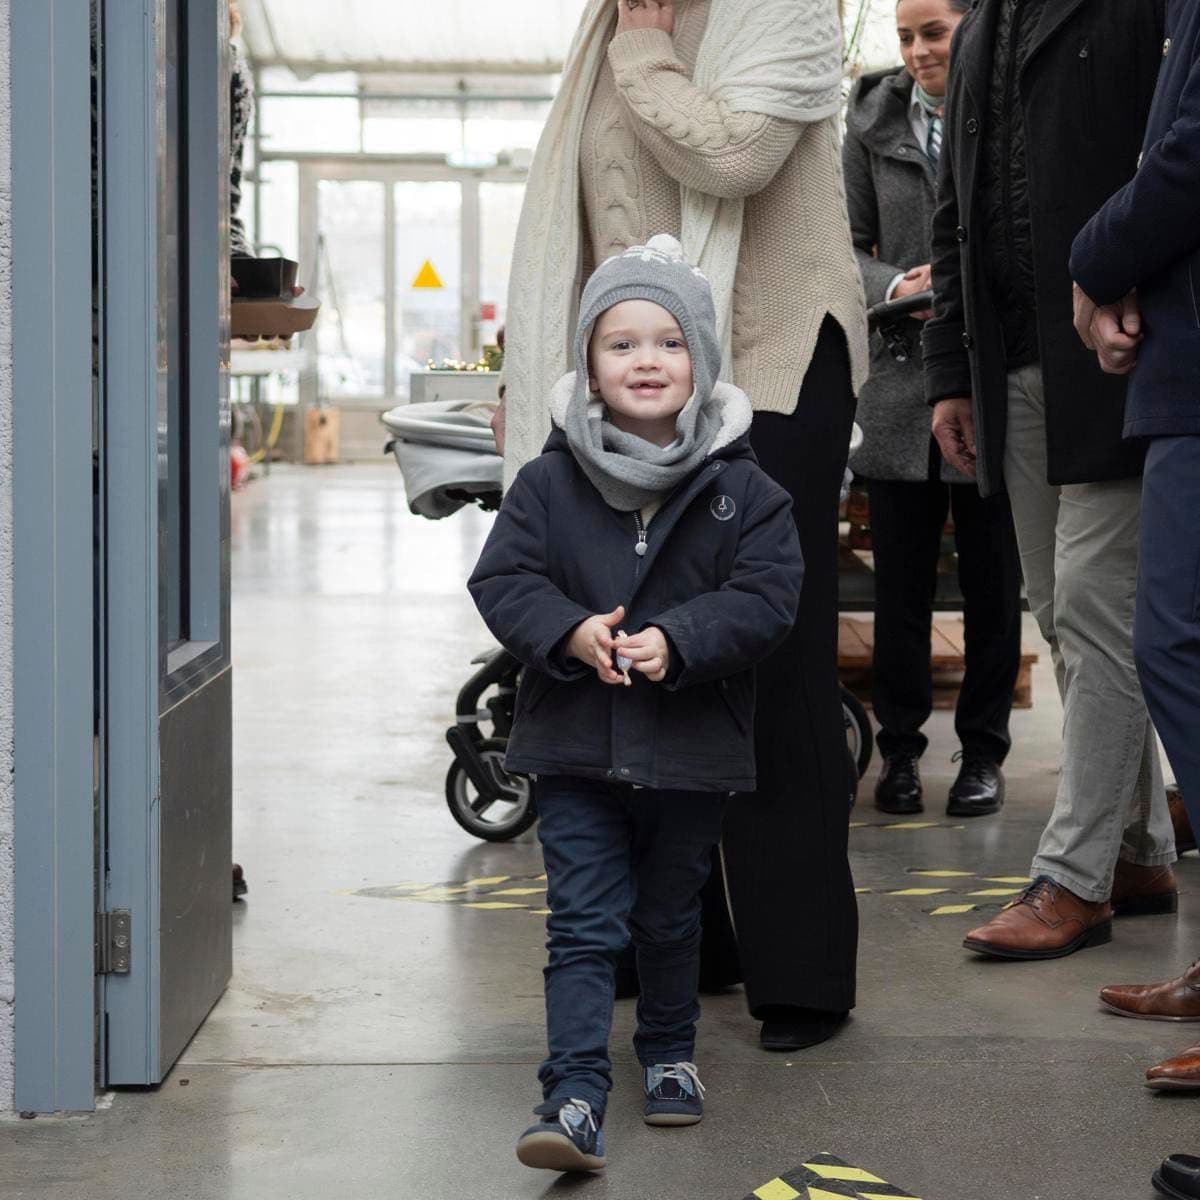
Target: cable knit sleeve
x,y
699,141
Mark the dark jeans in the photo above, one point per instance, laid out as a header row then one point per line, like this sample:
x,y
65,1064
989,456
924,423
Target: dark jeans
x,y
906,535
621,862
1166,629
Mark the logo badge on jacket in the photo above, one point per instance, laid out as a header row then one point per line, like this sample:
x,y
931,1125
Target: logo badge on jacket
x,y
723,508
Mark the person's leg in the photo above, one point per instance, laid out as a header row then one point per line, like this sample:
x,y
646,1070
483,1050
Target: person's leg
x,y
1079,554
1167,625
587,846
989,575
1033,502
1110,796
785,847
674,836
906,537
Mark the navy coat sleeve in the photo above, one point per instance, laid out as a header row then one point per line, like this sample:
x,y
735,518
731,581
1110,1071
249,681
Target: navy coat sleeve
x,y
1154,219
511,587
721,633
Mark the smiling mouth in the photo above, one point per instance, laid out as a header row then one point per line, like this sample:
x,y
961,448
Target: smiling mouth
x,y
648,387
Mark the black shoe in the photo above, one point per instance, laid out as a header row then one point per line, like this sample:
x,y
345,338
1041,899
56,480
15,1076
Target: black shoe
x,y
899,788
786,1027
979,789
1178,1177
567,1138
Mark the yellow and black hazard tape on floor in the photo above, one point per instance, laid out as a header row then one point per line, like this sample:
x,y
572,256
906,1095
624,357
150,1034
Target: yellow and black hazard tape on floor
x,y
489,893
527,893
827,1177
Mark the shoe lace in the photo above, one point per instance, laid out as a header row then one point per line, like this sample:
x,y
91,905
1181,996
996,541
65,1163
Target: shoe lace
x,y
1043,885
683,1073
580,1109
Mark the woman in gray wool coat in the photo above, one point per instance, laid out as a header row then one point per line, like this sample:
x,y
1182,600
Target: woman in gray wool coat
x,y
893,138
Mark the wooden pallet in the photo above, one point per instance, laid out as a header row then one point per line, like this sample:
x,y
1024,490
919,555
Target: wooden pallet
x,y
856,649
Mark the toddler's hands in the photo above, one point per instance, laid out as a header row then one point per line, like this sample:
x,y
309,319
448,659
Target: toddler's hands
x,y
648,652
592,643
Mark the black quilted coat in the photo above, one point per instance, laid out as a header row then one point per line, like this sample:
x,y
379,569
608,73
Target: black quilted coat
x,y
1083,85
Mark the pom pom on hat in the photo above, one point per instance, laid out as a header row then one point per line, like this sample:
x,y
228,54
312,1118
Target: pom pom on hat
x,y
664,243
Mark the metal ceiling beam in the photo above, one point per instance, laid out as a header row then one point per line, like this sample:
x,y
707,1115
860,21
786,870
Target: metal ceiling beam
x,y
305,68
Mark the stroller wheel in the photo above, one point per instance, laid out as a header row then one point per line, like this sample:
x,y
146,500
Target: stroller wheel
x,y
860,739
492,820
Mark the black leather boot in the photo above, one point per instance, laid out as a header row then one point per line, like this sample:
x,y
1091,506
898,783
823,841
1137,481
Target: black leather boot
x,y
899,788
979,789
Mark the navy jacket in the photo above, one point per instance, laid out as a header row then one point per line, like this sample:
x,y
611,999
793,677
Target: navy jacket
x,y
721,578
1148,237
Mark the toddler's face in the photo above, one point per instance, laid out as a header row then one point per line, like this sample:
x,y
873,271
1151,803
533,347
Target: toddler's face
x,y
638,361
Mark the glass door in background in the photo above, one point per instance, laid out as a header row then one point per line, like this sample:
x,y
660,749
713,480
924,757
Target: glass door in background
x,y
499,212
351,334
428,230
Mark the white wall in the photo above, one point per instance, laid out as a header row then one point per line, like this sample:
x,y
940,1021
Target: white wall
x,y
6,578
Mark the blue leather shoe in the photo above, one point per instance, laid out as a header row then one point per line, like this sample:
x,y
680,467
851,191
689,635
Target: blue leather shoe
x,y
568,1138
674,1094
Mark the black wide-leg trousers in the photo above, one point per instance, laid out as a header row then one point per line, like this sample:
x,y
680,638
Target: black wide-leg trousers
x,y
784,849
906,534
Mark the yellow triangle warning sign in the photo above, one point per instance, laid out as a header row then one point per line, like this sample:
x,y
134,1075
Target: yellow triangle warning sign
x,y
427,277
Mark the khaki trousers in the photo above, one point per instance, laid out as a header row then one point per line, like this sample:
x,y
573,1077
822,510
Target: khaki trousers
x,y
1079,554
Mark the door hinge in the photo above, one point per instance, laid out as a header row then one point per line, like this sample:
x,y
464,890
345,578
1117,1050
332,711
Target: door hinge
x,y
114,942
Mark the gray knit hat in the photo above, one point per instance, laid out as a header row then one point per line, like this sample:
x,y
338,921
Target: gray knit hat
x,y
628,471
656,271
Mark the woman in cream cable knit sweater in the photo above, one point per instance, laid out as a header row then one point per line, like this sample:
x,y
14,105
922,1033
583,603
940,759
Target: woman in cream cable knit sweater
x,y
717,121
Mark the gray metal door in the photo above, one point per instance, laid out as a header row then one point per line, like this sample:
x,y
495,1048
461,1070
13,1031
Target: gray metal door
x,y
163,461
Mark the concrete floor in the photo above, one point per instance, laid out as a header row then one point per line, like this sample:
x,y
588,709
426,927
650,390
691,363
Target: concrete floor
x,y
379,1040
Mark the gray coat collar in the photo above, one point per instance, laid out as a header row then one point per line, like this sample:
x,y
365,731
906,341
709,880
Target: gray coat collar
x,y
878,114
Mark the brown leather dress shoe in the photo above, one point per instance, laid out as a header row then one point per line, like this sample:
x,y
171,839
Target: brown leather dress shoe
x,y
1141,891
1178,1074
1175,1000
1046,921
1185,839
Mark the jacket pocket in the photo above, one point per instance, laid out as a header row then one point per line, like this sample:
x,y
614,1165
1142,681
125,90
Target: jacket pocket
x,y
733,697
533,689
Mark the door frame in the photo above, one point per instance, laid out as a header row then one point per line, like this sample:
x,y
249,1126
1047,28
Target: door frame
x,y
144,677
53,615
388,170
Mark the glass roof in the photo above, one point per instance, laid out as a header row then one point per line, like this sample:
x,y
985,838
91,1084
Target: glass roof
x,y
313,35
456,35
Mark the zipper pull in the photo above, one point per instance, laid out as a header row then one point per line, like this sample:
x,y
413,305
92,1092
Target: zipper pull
x,y
640,548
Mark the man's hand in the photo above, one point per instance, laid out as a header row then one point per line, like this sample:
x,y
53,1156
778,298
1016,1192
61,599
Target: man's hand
x,y
592,643
498,425
648,652
919,279
645,14
954,432
1114,331
1085,309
